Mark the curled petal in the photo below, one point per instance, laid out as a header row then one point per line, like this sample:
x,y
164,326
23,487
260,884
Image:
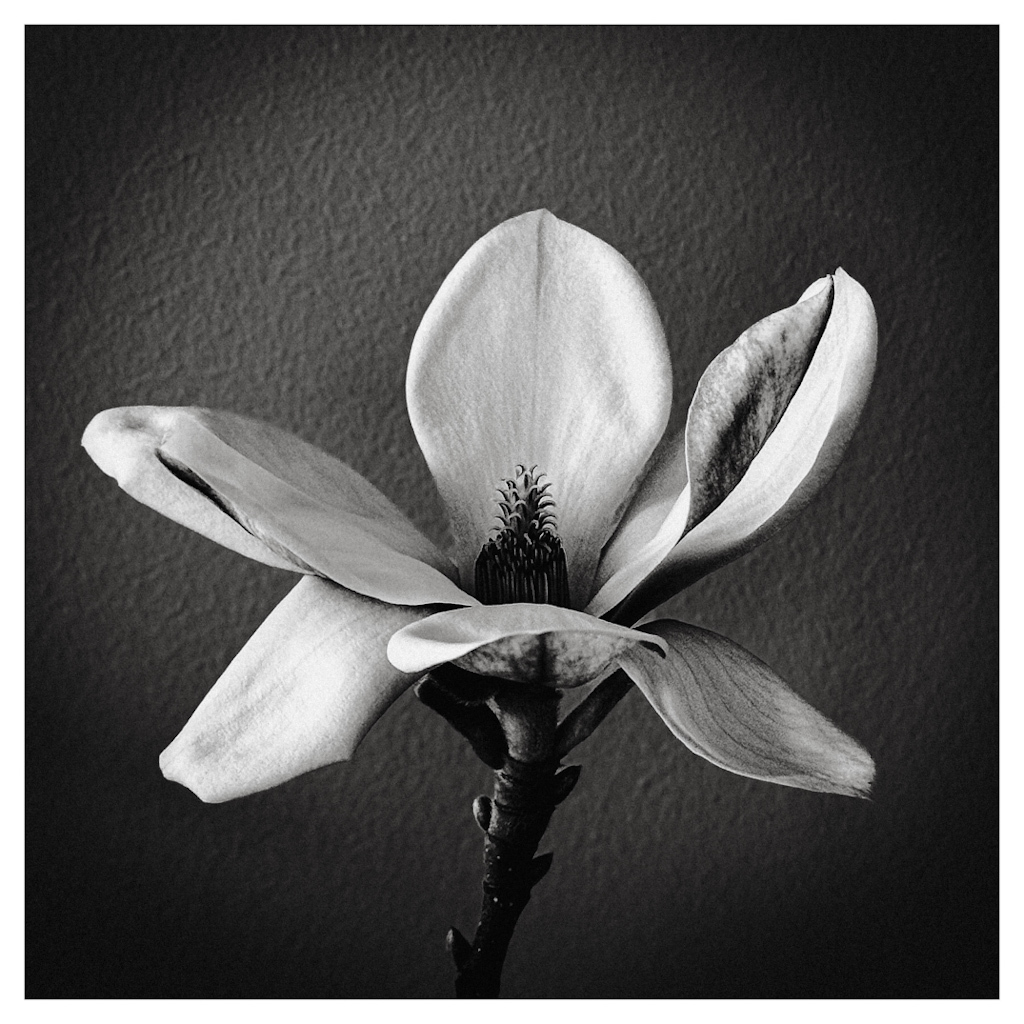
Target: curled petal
x,y
738,402
268,494
301,694
537,643
742,395
792,464
542,347
125,444
735,712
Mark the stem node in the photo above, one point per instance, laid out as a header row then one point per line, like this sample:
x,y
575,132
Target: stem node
x,y
459,949
565,782
482,812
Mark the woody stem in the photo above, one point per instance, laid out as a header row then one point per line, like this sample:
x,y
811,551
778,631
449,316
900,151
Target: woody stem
x,y
527,787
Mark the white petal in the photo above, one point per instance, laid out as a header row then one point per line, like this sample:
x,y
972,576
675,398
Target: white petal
x,y
301,694
542,347
538,643
738,402
268,494
124,442
735,712
742,395
792,465
651,526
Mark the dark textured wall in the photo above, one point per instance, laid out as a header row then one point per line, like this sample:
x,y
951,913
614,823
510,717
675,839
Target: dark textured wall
x,y
256,220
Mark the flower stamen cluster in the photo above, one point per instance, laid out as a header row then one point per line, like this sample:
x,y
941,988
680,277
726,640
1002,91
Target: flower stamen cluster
x,y
524,561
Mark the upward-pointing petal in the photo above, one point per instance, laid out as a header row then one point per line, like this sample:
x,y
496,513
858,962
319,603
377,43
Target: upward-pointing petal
x,y
743,394
653,522
542,347
268,494
792,464
739,401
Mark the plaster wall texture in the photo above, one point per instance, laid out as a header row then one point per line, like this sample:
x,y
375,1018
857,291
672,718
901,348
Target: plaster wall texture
x,y
256,220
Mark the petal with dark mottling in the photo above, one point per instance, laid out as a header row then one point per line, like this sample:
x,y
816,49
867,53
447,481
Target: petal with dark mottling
x,y
733,710
794,462
538,643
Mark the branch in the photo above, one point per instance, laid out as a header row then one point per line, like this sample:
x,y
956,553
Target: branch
x,y
475,721
515,819
527,788
591,712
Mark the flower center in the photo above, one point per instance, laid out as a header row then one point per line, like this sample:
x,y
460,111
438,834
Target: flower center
x,y
524,561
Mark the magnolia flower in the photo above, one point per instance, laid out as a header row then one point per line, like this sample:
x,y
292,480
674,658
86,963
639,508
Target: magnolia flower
x,y
539,388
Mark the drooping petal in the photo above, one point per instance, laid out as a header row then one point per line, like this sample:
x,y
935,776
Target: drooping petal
x,y
542,347
537,643
793,462
268,494
301,694
735,712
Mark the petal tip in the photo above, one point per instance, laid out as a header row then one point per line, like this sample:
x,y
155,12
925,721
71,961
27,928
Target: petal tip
x,y
170,764
112,439
539,215
844,766
177,766
860,775
395,652
99,437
